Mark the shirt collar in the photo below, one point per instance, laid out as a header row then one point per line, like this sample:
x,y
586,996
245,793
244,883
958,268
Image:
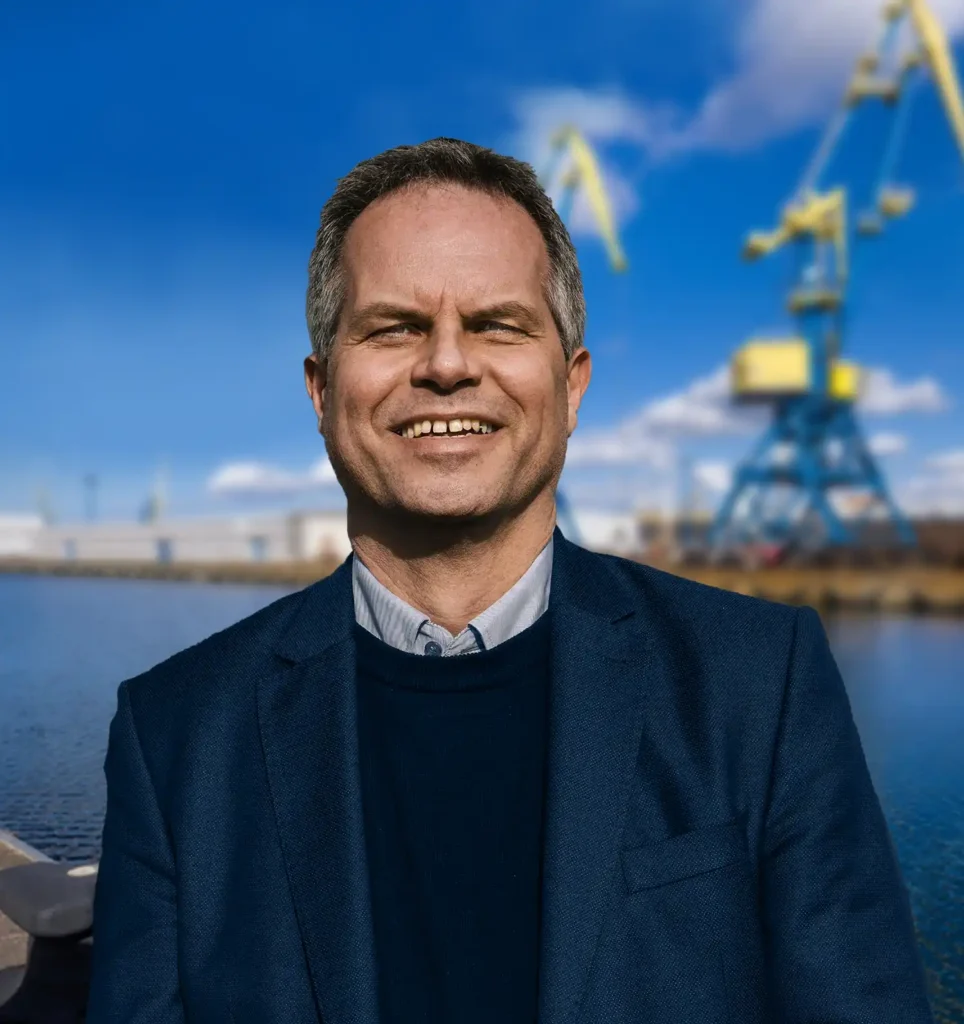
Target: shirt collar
x,y
397,623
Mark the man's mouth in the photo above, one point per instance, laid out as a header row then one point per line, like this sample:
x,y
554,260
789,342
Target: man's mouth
x,y
445,428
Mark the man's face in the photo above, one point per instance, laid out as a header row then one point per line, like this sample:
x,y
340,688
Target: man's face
x,y
445,320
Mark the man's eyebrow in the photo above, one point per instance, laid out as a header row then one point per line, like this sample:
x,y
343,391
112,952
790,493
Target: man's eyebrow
x,y
510,309
385,311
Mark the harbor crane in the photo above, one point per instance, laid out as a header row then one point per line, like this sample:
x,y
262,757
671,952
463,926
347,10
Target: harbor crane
x,y
573,165
780,497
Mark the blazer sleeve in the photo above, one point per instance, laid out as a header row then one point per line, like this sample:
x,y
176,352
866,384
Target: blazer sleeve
x,y
134,968
841,941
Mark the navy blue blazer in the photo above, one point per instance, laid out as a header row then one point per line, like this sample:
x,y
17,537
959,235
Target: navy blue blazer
x,y
715,851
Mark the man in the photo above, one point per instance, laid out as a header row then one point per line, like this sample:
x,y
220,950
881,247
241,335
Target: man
x,y
478,773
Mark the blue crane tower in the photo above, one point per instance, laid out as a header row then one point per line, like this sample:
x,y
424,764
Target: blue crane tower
x,y
781,494
573,165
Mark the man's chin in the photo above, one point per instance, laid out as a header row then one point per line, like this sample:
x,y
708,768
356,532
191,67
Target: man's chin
x,y
445,513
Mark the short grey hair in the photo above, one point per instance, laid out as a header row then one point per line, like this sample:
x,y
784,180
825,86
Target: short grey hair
x,y
440,162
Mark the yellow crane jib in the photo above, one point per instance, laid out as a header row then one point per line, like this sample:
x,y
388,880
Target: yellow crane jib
x,y
585,173
936,52
931,52
821,216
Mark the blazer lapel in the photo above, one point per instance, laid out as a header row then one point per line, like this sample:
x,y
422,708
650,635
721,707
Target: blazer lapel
x,y
308,723
599,662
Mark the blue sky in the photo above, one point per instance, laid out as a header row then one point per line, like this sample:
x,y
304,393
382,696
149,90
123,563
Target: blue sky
x,y
162,167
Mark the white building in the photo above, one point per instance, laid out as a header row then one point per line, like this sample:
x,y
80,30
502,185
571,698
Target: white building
x,y
277,537
615,532
256,538
18,534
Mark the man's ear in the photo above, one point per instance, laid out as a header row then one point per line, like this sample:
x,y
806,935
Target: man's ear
x,y
577,380
316,379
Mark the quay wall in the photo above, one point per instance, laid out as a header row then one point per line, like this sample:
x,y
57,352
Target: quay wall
x,y
914,590
13,942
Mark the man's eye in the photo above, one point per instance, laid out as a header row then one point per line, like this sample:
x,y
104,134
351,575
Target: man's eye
x,y
395,329
495,325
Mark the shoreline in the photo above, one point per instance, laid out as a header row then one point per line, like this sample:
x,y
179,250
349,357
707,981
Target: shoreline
x,y
911,590
292,573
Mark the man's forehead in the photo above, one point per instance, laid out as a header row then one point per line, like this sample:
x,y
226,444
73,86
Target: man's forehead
x,y
461,247
461,277
444,217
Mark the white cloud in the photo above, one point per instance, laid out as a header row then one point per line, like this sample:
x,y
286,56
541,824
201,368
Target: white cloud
x,y
617,448
617,492
951,463
882,445
792,59
884,395
602,117
236,479
650,436
793,62
939,489
921,498
646,445
714,477
701,409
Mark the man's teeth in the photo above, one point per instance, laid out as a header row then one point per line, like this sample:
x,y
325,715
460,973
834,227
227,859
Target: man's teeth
x,y
446,427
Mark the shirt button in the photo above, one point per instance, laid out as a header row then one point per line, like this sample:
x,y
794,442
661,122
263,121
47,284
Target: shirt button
x,y
433,648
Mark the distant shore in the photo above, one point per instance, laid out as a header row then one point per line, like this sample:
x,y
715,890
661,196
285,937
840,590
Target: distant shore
x,y
913,590
293,573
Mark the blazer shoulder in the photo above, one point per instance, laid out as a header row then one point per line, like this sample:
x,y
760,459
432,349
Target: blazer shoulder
x,y
240,650
686,600
733,649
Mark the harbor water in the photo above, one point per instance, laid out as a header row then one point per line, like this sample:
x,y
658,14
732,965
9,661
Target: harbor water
x,y
66,644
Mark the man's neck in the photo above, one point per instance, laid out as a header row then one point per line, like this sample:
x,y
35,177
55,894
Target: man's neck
x,y
453,576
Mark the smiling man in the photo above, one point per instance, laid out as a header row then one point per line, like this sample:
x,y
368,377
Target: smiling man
x,y
480,774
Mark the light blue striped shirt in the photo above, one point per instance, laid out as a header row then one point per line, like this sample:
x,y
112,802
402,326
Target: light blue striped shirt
x,y
397,623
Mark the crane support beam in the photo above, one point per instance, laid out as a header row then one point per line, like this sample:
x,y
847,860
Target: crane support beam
x,y
937,53
586,173
819,216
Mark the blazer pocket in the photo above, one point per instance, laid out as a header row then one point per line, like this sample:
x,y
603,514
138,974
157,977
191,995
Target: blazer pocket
x,y
683,856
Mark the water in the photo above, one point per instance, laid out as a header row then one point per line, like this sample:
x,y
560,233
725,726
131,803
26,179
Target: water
x,y
906,684
65,647
66,644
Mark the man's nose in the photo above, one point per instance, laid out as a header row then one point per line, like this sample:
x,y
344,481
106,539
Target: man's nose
x,y
448,359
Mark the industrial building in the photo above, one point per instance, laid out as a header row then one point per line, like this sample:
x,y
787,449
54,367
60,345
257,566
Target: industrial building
x,y
270,537
255,538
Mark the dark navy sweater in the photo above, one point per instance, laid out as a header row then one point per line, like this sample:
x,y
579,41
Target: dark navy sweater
x,y
452,754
